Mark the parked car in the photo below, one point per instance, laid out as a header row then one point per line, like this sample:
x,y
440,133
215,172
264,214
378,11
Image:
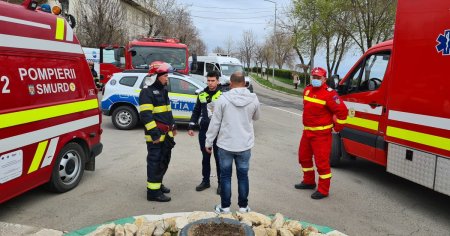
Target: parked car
x,y
121,97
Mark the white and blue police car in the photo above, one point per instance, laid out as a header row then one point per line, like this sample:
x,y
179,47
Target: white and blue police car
x,y
121,97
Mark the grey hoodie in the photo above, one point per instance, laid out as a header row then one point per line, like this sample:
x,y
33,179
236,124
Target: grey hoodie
x,y
232,120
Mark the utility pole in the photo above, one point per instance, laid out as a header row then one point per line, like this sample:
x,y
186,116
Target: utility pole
x,y
274,39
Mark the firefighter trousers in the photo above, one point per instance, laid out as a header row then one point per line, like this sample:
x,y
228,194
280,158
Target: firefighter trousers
x,y
158,159
316,144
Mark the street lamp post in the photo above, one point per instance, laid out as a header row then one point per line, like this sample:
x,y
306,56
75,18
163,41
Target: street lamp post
x,y
274,39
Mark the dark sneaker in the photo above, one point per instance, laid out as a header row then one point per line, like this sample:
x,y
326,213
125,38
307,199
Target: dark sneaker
x,y
317,195
218,190
202,186
219,210
305,186
159,198
165,189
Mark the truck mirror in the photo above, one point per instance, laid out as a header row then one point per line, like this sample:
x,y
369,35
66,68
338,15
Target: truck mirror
x,y
194,66
132,51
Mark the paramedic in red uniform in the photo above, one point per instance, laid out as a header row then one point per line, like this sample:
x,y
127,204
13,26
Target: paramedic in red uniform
x,y
156,115
320,104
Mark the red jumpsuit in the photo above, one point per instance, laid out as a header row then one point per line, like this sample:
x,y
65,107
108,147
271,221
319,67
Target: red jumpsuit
x,y
319,106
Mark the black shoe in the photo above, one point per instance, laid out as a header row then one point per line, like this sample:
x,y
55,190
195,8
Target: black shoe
x,y
317,195
218,189
165,189
305,186
159,198
202,186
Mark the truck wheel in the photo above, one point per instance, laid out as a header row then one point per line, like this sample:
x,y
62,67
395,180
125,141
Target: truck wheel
x,y
335,154
124,118
68,169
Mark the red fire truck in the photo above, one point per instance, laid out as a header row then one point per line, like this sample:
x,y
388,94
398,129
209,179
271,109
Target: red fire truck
x,y
49,112
139,53
398,95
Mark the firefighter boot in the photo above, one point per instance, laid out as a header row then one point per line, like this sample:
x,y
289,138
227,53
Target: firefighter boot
x,y
317,195
302,185
165,189
157,196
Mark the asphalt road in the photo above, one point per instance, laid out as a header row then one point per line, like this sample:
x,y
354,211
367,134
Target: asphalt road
x,y
364,199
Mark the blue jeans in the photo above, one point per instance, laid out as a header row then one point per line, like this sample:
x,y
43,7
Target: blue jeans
x,y
242,161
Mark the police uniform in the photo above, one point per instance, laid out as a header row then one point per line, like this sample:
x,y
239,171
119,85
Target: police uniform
x,y
200,116
320,105
156,115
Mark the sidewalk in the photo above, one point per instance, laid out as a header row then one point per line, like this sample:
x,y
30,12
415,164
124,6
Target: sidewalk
x,y
279,83
8,229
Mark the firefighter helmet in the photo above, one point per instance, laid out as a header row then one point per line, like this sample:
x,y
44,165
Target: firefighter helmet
x,y
319,71
159,67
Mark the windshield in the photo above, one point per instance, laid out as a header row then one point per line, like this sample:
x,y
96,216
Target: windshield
x,y
145,55
228,69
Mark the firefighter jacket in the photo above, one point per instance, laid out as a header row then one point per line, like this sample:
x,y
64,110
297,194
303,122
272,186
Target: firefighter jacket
x,y
200,112
319,106
155,110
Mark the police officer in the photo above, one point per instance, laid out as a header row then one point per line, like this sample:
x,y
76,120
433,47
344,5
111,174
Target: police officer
x,y
321,104
156,115
200,114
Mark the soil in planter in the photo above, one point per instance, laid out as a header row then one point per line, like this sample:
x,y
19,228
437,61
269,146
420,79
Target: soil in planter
x,y
220,229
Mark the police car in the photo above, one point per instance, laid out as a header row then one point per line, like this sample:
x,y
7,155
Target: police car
x,y
121,97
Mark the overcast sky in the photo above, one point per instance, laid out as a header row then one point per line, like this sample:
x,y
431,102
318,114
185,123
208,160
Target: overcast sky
x,y
217,20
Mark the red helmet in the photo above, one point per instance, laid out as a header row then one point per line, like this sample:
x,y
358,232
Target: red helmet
x,y
159,67
319,71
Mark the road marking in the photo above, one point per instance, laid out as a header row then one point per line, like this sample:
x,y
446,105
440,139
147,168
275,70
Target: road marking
x,y
282,110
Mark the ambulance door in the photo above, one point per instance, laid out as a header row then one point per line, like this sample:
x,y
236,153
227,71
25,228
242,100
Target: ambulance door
x,y
364,93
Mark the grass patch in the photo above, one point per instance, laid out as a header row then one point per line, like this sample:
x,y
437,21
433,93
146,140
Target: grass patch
x,y
267,83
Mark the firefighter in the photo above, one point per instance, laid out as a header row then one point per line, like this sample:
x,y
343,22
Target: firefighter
x,y
200,115
323,111
156,115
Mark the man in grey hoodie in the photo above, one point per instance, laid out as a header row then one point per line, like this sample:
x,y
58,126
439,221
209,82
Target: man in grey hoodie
x,y
232,124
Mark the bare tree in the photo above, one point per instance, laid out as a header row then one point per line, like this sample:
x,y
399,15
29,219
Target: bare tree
x,y
159,21
247,46
266,55
100,22
229,46
283,49
219,50
371,21
197,46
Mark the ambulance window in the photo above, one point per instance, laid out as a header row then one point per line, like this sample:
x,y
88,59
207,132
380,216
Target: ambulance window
x,y
209,67
128,81
374,70
200,68
181,86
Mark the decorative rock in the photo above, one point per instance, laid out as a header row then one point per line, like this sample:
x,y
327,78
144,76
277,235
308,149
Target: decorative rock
x,y
277,221
309,230
227,216
170,224
119,230
200,215
130,229
315,234
160,228
104,230
247,222
285,232
180,222
254,217
259,231
139,221
271,232
166,234
146,229
294,226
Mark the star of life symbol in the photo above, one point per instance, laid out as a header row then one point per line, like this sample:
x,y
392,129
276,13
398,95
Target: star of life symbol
x,y
444,43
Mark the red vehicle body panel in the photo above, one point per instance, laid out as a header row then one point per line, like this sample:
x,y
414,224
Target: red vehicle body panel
x,y
48,97
108,69
405,102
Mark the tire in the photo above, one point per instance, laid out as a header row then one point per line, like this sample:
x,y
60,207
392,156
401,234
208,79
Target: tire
x,y
68,169
124,118
335,154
